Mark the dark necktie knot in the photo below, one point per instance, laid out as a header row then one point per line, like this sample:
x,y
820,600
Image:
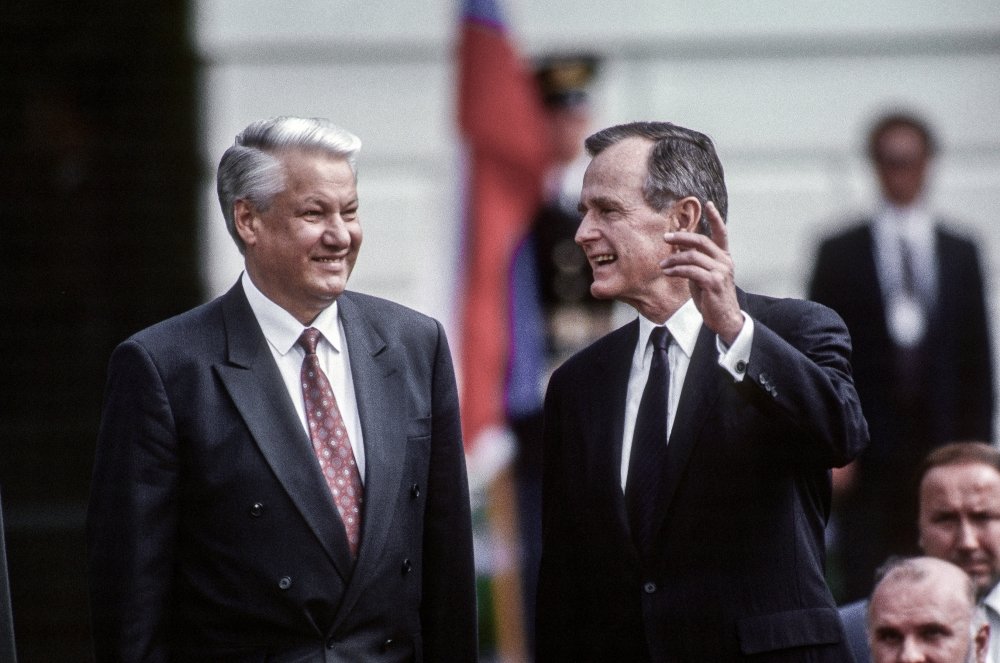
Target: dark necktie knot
x,y
660,338
309,340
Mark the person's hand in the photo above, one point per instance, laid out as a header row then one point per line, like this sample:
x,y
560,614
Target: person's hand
x,y
706,264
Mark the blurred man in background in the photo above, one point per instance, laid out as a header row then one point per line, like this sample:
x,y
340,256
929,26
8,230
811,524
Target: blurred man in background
x,y
911,293
552,311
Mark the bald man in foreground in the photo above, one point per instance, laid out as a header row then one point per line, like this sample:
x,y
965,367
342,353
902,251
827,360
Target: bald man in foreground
x,y
924,610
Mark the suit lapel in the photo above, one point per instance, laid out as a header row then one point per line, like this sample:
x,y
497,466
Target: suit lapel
x,y
605,412
253,381
699,393
377,372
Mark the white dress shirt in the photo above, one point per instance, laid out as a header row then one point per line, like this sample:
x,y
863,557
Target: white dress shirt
x,y
912,226
282,332
684,326
991,604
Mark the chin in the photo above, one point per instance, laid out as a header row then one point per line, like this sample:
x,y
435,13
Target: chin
x,y
602,291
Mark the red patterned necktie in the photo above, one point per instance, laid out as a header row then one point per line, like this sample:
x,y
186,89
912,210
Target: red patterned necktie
x,y
330,440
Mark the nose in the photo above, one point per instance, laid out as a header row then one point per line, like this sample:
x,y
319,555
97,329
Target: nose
x,y
586,231
911,652
336,233
967,535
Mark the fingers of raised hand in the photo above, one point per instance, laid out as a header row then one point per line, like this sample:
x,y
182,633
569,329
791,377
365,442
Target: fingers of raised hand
x,y
720,234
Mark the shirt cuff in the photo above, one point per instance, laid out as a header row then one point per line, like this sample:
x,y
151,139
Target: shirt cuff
x,y
736,357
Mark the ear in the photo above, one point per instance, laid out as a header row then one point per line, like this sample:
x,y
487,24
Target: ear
x,y
981,643
244,215
687,211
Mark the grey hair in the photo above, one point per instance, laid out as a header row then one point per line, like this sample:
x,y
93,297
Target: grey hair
x,y
682,163
251,170
915,569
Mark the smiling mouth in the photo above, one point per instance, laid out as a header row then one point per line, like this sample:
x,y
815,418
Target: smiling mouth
x,y
604,259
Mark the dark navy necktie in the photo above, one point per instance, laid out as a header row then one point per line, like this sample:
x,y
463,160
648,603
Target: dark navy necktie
x,y
649,446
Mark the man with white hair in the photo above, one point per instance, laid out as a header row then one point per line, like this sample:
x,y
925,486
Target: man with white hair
x,y
280,473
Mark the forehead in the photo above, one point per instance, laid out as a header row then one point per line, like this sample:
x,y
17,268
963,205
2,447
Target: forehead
x,y
620,166
901,139
315,168
908,605
966,485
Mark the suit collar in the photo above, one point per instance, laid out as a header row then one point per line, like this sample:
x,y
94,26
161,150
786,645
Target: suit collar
x,y
378,371
684,326
280,327
606,423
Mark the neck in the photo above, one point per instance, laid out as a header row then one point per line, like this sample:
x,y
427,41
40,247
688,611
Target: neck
x,y
660,309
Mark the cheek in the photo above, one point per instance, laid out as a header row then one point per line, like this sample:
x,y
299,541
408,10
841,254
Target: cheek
x,y
990,542
936,541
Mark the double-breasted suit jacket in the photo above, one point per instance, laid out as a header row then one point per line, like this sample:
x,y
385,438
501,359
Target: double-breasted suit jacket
x,y
212,533
737,570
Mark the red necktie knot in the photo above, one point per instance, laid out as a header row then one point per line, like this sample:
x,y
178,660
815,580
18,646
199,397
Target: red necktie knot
x,y
310,339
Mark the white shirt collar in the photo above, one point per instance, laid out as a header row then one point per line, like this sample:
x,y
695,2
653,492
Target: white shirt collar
x,y
913,222
684,326
992,601
280,327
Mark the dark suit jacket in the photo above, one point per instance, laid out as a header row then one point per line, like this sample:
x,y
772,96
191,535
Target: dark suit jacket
x,y
946,395
958,378
738,570
212,534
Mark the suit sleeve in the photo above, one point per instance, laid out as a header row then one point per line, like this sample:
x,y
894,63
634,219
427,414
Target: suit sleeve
x,y
557,602
820,288
132,514
975,354
800,369
448,608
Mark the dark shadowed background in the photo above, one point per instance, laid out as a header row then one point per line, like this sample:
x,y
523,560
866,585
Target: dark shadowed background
x,y
98,182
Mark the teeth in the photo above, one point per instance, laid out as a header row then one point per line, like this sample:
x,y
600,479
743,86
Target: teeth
x,y
604,258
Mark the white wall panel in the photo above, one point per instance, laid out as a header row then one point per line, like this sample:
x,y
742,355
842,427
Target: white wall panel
x,y
786,87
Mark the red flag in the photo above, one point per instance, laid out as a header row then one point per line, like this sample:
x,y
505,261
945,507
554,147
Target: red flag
x,y
502,124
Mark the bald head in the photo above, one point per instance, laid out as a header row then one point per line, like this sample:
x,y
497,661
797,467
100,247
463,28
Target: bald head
x,y
924,609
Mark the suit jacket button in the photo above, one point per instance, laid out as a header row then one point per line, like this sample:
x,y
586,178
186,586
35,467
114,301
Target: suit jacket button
x,y
407,566
649,587
285,582
386,645
257,510
331,643
741,366
415,491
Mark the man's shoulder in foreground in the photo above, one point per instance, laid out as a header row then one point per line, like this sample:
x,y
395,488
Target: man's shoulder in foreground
x,y
855,619
385,308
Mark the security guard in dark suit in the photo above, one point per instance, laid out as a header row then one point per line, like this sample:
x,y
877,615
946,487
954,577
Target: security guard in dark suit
x,y
553,312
